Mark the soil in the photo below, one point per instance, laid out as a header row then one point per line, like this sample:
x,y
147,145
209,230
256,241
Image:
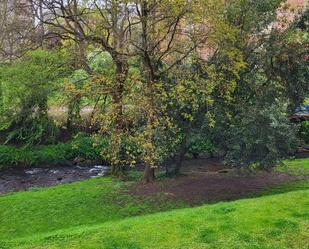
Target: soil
x,y
209,181
203,180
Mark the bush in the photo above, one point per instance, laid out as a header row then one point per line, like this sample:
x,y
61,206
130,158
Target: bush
x,y
260,137
81,146
26,85
304,132
32,130
85,147
11,156
52,155
88,148
200,145
34,156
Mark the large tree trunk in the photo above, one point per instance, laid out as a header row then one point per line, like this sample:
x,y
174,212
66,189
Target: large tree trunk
x,y
182,153
149,174
117,95
117,99
117,171
149,74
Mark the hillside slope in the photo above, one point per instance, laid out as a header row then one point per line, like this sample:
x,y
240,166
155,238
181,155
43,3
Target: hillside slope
x,y
277,221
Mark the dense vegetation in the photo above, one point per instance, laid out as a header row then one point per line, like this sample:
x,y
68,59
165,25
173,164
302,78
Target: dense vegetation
x,y
83,147
153,81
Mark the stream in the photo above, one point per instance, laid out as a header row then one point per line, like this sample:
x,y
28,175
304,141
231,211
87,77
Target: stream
x,y
12,180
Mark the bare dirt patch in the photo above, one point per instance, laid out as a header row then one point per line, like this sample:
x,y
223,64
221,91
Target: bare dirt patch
x,y
209,181
203,180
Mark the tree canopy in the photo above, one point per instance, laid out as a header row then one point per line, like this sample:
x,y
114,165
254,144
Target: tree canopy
x,y
160,78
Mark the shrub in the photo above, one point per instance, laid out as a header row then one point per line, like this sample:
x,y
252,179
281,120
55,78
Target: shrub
x,y
200,145
86,147
52,155
261,137
26,85
32,130
9,155
304,132
83,146
34,156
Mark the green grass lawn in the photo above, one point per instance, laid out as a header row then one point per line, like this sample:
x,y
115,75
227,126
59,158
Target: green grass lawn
x,y
89,202
295,167
97,213
279,221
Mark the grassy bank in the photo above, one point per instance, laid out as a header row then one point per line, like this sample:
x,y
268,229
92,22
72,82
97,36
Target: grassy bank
x,y
279,221
99,213
295,167
87,202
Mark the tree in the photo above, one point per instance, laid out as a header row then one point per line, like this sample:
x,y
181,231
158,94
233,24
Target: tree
x,y
256,129
26,85
106,25
17,26
155,41
166,36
